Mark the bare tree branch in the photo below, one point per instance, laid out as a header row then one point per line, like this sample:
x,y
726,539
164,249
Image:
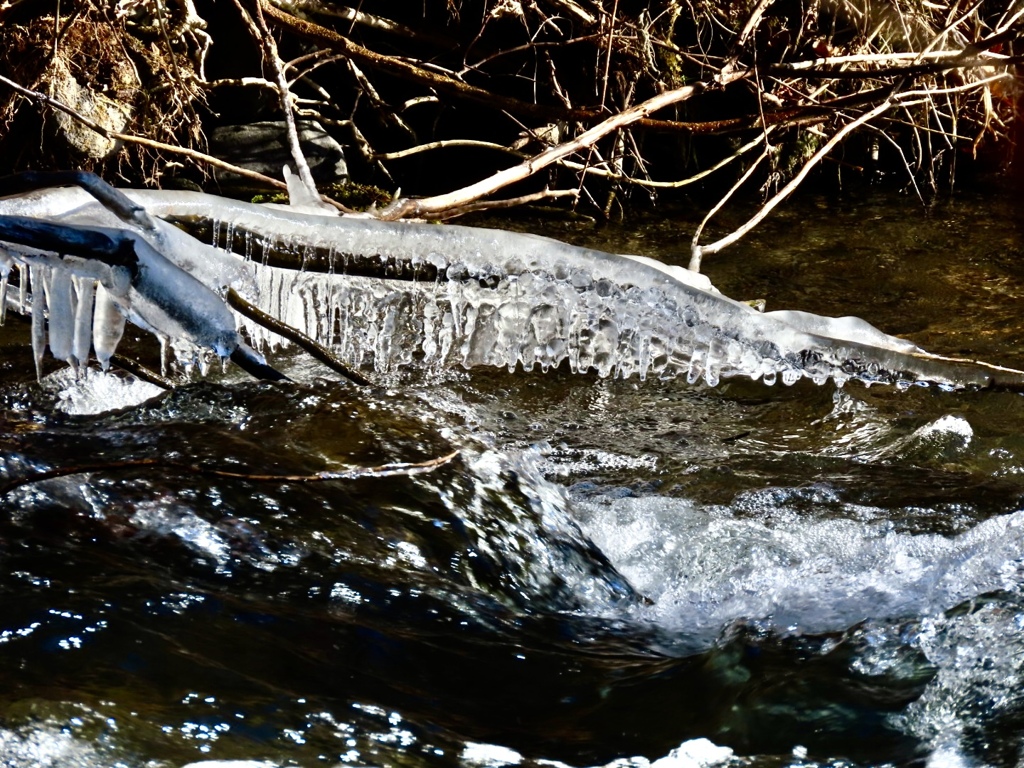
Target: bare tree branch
x,y
192,154
435,206
293,335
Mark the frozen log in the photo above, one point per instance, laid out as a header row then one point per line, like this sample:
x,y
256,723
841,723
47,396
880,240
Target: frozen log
x,y
391,295
443,295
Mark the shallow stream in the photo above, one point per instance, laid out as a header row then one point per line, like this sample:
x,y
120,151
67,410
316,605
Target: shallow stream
x,y
607,571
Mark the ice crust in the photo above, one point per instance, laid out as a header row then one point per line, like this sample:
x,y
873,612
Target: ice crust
x,y
467,297
496,298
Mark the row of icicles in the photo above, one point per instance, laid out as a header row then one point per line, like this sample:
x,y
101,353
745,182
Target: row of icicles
x,y
69,312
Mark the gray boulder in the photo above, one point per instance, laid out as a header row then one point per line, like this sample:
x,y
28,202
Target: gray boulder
x,y
263,147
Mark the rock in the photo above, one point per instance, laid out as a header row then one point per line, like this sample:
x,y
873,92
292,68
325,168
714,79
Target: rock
x,y
263,147
109,113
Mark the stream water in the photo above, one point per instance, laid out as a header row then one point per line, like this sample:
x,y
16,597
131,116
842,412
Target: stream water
x,y
609,572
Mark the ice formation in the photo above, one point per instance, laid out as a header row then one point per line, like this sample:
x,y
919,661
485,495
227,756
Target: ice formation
x,y
391,295
90,270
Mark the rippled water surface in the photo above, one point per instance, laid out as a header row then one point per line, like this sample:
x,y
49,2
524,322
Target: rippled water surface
x,y
606,570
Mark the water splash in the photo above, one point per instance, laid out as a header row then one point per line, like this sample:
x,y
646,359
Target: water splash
x,y
978,654
707,568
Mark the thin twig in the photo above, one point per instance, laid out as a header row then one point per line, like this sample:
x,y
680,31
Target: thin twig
x,y
608,52
405,469
141,372
378,23
910,70
697,252
141,140
293,335
895,144
879,58
446,144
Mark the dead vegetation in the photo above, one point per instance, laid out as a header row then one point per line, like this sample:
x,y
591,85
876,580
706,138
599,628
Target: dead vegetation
x,y
111,64
482,103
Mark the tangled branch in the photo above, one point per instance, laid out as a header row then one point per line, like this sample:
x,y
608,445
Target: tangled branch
x,y
595,100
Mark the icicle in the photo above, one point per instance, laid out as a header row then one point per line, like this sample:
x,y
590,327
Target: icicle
x,y
165,354
38,317
696,369
61,310
301,198
107,326
712,368
85,289
23,273
6,262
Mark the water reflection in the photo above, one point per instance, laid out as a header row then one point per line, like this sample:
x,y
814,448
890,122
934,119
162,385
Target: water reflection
x,y
803,575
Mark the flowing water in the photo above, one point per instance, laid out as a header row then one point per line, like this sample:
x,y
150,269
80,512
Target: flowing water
x,y
609,571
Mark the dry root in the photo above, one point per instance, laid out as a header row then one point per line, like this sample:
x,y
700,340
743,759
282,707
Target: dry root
x,y
597,101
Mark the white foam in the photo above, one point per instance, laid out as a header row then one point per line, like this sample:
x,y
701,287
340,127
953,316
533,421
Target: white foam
x,y
706,568
490,755
96,392
50,747
695,753
948,425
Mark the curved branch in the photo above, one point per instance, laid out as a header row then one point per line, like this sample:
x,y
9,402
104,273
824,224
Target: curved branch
x,y
405,468
697,252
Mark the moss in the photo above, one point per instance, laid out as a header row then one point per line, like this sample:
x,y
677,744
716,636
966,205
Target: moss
x,y
352,195
270,197
358,196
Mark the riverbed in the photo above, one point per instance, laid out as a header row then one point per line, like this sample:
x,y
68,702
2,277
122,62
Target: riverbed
x,y
607,570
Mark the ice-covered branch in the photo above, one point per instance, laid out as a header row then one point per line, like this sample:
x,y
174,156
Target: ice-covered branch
x,y
394,296
94,265
451,295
